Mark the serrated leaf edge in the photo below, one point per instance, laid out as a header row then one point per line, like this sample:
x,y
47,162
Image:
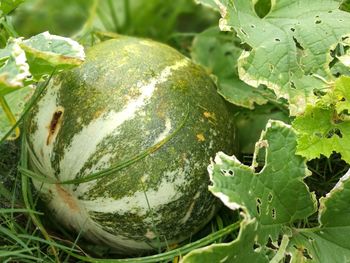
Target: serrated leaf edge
x,y
224,198
247,220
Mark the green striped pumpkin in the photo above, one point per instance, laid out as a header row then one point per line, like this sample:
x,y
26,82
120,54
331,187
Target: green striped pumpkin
x,y
129,95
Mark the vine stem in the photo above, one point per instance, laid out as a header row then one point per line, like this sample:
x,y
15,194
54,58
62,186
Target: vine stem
x,y
10,116
87,27
113,15
306,230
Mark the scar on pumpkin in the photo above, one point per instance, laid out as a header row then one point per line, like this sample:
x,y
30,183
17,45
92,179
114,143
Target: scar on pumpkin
x,y
200,137
67,198
55,124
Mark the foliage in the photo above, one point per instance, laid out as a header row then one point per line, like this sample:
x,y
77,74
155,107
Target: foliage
x,y
299,34
26,61
283,60
325,127
218,52
276,199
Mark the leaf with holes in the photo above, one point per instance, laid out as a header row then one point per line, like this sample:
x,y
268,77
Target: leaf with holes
x,y
334,229
290,45
250,124
217,52
47,52
325,128
239,250
342,96
276,195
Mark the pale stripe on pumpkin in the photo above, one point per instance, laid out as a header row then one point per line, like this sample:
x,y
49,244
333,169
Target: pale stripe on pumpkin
x,y
166,192
84,143
48,103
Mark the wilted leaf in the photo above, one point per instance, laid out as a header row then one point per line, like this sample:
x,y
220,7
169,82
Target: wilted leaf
x,y
218,52
276,196
239,250
14,69
329,242
290,46
47,52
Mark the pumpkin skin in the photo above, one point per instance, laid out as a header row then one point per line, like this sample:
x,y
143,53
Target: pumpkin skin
x,y
128,95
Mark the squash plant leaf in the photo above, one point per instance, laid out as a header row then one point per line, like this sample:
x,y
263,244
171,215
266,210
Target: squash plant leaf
x,y
239,250
342,96
47,52
218,53
333,232
290,45
276,196
13,67
325,127
22,62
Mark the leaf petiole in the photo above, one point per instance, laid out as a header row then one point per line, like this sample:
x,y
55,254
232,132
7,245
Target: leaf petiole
x,y
8,27
305,230
10,116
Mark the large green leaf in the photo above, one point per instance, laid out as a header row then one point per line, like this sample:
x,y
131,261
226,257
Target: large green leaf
x,y
325,127
290,45
330,241
239,250
217,52
276,196
47,52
